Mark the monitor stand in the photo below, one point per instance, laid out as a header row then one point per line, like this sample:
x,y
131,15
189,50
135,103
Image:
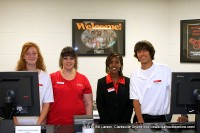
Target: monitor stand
x,y
196,94
7,126
197,118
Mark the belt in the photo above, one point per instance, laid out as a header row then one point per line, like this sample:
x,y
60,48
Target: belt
x,y
153,116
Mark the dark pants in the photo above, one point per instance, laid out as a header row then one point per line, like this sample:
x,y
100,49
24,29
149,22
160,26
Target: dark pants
x,y
152,118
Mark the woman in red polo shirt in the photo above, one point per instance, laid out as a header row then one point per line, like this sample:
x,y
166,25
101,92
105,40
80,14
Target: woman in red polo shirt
x,y
72,91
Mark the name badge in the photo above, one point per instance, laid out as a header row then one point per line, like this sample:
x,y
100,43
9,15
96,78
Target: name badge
x,y
157,81
40,84
28,129
110,89
61,83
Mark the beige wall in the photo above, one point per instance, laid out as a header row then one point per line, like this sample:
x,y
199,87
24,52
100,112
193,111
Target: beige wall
x,y
49,24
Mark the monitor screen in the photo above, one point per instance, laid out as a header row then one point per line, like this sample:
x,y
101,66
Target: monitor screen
x,y
19,94
183,86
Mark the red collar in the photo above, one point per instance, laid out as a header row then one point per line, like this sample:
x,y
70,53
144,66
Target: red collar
x,y
121,80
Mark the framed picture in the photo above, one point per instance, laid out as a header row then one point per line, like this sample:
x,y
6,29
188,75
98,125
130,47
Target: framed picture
x,y
98,37
190,41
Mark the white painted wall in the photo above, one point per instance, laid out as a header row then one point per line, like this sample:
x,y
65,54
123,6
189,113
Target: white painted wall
x,y
49,24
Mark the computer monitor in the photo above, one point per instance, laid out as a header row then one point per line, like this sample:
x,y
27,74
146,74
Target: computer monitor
x,y
183,88
19,94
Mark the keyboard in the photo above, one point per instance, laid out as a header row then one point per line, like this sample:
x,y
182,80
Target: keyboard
x,y
180,124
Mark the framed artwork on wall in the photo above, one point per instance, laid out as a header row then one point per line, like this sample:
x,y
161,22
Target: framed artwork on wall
x,y
98,37
190,41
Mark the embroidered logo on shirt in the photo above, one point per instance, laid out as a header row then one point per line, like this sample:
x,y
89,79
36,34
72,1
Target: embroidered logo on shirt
x,y
110,89
78,84
157,81
62,83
